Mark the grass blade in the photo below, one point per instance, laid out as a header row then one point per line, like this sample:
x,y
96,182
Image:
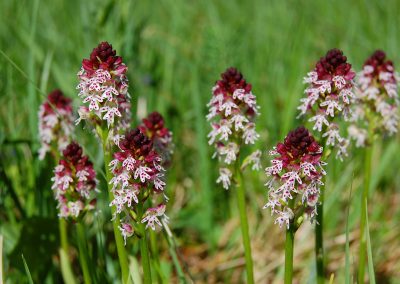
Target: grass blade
x,y
32,98
28,273
1,259
347,246
371,271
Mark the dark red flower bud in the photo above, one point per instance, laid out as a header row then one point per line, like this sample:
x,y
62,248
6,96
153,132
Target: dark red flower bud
x,y
103,56
232,79
334,63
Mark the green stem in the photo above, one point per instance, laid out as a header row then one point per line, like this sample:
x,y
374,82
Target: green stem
x,y
156,257
364,199
66,269
172,251
241,200
62,224
144,250
122,255
319,240
319,227
289,245
83,252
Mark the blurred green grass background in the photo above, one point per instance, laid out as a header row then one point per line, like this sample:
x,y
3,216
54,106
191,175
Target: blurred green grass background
x,y
175,51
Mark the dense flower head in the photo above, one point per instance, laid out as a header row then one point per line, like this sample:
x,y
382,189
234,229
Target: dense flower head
x,y
296,173
232,110
153,126
104,87
328,95
376,102
55,123
75,183
137,176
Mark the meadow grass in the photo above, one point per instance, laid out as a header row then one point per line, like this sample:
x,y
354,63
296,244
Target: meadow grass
x,y
175,51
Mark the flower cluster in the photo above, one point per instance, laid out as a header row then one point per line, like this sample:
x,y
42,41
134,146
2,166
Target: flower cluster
x,y
74,183
376,101
104,87
138,175
55,123
232,110
329,94
296,172
153,127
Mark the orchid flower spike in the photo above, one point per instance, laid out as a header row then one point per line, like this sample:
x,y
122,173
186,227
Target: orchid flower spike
x,y
328,97
376,102
295,175
55,123
103,88
232,111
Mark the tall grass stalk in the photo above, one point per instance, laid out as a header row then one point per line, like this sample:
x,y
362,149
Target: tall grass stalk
x,y
83,252
27,271
1,259
347,246
364,199
241,200
172,251
371,270
156,256
122,255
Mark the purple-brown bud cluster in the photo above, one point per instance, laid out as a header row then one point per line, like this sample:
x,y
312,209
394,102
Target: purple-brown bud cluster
x,y
153,126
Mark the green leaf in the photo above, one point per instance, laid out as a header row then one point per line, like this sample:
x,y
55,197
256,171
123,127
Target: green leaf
x,y
28,273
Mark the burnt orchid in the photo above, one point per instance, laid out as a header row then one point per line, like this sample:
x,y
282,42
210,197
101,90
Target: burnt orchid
x,y
376,102
153,126
137,177
75,183
103,88
375,112
295,186
232,110
55,123
329,94
296,174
